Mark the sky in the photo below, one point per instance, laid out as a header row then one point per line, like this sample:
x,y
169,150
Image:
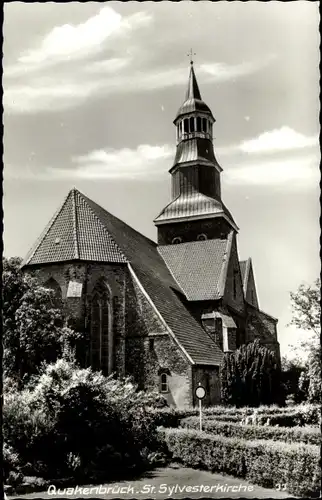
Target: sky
x,y
90,94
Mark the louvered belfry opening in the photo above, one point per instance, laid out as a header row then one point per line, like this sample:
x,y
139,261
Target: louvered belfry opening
x,y
100,327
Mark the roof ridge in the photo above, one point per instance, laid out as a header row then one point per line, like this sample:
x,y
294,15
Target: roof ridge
x,y
224,269
74,190
159,314
34,248
84,197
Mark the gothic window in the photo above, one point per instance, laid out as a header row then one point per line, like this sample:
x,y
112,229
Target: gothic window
x,y
164,387
198,124
100,327
176,240
201,237
192,124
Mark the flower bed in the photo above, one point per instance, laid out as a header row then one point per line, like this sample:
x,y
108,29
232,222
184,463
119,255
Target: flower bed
x,y
310,435
271,464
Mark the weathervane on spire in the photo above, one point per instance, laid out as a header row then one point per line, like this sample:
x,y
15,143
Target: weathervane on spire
x,y
190,55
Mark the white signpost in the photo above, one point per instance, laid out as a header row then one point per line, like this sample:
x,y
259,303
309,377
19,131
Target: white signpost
x,y
200,393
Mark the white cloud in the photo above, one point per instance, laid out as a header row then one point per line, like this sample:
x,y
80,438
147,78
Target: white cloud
x,y
284,138
291,172
122,163
71,41
222,71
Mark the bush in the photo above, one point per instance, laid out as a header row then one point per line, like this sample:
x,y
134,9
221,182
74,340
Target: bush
x,y
311,435
75,422
266,463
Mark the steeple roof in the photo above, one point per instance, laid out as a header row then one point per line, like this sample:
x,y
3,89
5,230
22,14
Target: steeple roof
x,y
193,91
193,101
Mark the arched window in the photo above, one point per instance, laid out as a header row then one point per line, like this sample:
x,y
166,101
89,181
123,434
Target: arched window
x,y
176,240
164,387
201,237
198,124
100,327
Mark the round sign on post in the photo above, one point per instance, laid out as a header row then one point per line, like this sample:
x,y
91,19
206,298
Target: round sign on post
x,y
200,392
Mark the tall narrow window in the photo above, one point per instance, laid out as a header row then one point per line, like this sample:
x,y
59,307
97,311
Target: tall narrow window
x,y
198,124
186,125
164,382
100,327
204,125
192,124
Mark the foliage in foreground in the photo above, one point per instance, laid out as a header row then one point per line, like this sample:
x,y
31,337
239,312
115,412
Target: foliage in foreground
x,y
72,422
34,330
310,435
250,376
266,463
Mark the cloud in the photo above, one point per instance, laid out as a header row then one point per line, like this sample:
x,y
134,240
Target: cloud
x,y
72,41
290,172
281,139
90,80
123,163
222,71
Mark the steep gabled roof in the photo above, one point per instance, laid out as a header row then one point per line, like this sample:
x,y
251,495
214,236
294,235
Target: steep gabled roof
x,y
88,232
193,101
75,232
199,267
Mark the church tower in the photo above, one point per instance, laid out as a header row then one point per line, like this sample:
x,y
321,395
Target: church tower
x,y
196,211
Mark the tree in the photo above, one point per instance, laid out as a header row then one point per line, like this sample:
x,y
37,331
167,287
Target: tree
x,y
290,376
250,376
33,323
306,310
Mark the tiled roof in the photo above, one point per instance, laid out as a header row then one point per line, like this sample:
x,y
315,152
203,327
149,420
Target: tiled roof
x,y
89,232
74,232
196,149
191,205
198,266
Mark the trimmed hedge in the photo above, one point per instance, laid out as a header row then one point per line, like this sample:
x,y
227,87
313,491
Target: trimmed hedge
x,y
289,416
310,435
266,463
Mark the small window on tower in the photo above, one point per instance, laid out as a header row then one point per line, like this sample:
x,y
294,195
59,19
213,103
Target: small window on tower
x,y
176,240
186,125
204,125
192,124
198,124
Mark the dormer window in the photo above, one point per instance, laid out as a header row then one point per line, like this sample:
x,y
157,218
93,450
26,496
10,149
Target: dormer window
x,y
202,237
176,240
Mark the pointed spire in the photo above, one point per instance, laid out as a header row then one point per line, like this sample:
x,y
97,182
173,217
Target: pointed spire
x,y
193,91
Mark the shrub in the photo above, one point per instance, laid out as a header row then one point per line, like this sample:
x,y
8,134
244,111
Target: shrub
x,y
311,435
72,422
266,463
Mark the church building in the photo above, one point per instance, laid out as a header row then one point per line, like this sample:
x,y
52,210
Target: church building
x,y
166,312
